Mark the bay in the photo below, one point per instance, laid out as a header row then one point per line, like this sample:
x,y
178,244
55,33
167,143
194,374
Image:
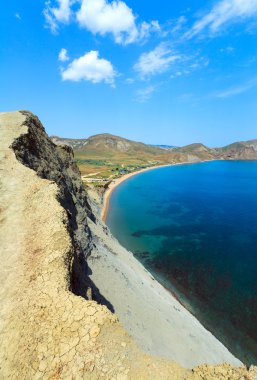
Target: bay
x,y
194,227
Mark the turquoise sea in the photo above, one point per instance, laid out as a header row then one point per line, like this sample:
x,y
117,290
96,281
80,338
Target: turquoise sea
x,y
195,228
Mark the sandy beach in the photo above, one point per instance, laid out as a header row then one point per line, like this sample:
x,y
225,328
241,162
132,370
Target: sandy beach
x,y
118,181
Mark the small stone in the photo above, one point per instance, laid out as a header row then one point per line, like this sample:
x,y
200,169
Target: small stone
x,y
124,344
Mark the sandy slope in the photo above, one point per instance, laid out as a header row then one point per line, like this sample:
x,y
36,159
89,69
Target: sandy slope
x,y
148,311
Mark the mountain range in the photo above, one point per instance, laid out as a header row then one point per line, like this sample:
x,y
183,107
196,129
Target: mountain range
x,y
117,149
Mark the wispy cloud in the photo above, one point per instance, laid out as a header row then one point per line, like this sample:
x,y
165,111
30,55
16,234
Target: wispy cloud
x,y
224,12
228,50
167,59
188,96
18,16
178,25
129,80
155,61
61,13
237,90
189,64
144,94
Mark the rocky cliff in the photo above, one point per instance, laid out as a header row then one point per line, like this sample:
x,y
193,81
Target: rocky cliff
x,y
53,320
245,150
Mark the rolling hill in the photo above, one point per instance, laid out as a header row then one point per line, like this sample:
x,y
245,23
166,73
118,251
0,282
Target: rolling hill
x,y
110,146
106,153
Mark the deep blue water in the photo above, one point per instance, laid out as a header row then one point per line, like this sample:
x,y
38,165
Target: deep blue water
x,y
195,228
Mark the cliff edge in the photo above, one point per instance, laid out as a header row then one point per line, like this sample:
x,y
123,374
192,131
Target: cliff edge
x,y
49,325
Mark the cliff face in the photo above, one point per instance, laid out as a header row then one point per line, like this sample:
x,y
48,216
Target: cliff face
x,y
246,150
34,150
47,331
49,327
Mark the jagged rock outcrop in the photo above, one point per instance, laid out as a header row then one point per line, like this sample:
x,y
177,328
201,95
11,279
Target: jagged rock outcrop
x,y
36,151
48,329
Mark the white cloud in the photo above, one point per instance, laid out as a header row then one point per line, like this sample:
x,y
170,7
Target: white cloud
x,y
178,24
18,16
177,74
130,81
91,68
224,12
144,94
145,29
189,64
156,61
228,50
63,55
101,16
237,90
60,14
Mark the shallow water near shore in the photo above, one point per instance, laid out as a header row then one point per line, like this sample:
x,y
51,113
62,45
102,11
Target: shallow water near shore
x,y
195,228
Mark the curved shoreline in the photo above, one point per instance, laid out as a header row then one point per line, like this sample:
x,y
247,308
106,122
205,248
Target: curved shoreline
x,y
116,182
180,306
151,313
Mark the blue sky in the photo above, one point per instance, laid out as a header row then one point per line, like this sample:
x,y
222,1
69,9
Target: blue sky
x,y
160,72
